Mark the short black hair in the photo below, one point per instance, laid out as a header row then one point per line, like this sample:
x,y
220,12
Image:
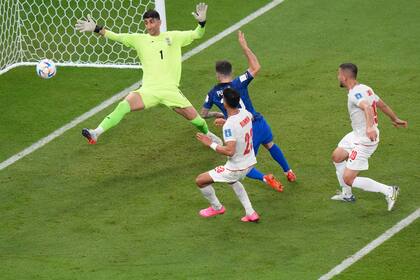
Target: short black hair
x,y
224,67
151,14
231,97
351,67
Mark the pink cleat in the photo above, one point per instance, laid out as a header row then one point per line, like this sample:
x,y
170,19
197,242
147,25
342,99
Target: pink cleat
x,y
210,212
251,218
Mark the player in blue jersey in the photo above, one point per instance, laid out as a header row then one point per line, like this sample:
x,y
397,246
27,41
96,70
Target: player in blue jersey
x,y
262,134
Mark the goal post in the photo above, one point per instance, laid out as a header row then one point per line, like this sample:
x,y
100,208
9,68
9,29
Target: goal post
x,y
160,8
31,30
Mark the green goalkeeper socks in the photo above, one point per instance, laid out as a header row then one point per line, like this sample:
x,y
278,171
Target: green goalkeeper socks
x,y
116,116
200,124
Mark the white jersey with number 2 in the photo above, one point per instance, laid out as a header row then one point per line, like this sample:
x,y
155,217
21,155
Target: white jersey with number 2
x,y
239,128
356,95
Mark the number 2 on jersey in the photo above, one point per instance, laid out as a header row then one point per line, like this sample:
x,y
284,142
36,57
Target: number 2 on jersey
x,y
375,113
248,138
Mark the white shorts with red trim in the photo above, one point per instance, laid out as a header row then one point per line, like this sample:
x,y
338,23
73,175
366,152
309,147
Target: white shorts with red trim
x,y
359,154
223,175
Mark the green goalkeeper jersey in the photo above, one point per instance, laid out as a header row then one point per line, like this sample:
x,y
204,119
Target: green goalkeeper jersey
x,y
160,56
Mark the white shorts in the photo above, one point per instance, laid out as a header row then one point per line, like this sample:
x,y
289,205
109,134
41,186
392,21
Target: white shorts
x,y
223,175
359,154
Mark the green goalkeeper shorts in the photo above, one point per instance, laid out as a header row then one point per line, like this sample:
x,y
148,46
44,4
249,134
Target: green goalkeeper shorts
x,y
172,98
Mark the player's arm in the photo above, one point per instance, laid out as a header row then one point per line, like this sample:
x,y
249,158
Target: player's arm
x,y
369,114
89,25
205,109
197,33
184,38
390,113
227,150
200,15
207,114
253,63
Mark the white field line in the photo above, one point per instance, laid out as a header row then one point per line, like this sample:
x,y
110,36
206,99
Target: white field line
x,y
372,245
35,146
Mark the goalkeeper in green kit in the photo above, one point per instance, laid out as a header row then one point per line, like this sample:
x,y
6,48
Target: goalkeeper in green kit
x,y
161,57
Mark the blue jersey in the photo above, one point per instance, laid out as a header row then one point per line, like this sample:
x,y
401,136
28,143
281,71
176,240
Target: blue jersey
x,y
240,84
261,130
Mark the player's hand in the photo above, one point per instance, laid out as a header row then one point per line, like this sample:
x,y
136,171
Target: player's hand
x,y
372,134
86,25
241,39
399,123
200,12
203,139
219,122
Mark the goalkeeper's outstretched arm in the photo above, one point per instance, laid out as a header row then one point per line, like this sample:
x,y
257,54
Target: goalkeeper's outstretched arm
x,y
89,25
187,37
200,14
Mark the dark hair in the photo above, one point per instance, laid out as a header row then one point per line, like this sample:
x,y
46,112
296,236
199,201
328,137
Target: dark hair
x,y
151,14
352,68
231,97
224,67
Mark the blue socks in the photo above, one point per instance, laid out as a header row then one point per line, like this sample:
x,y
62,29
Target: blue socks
x,y
255,174
277,154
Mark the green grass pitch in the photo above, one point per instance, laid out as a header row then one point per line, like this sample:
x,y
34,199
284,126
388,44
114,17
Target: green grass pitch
x,y
127,207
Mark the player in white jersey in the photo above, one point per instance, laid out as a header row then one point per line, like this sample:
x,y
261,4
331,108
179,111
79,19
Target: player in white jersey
x,y
237,133
352,154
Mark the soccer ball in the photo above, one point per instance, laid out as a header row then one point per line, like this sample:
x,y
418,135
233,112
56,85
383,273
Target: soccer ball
x,y
46,69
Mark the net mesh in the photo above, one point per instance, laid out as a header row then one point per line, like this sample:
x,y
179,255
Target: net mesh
x,y
10,50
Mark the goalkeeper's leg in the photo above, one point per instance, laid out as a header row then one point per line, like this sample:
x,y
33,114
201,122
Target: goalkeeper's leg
x,y
132,102
176,100
191,114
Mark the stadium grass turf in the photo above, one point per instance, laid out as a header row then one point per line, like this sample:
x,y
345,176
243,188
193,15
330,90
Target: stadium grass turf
x,y
127,207
391,260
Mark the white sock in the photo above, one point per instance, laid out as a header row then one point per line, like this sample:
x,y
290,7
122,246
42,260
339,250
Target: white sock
x,y
98,131
209,193
370,185
241,193
339,171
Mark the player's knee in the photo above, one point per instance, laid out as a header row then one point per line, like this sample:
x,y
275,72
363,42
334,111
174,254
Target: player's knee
x,y
199,182
134,101
268,145
337,157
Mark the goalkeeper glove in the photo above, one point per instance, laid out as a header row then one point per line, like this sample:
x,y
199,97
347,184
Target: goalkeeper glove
x,y
200,12
88,25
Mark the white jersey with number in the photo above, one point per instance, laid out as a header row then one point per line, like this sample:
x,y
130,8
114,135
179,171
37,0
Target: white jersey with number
x,y
239,128
356,95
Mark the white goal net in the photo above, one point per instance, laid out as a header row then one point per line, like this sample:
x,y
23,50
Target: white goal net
x,y
31,30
